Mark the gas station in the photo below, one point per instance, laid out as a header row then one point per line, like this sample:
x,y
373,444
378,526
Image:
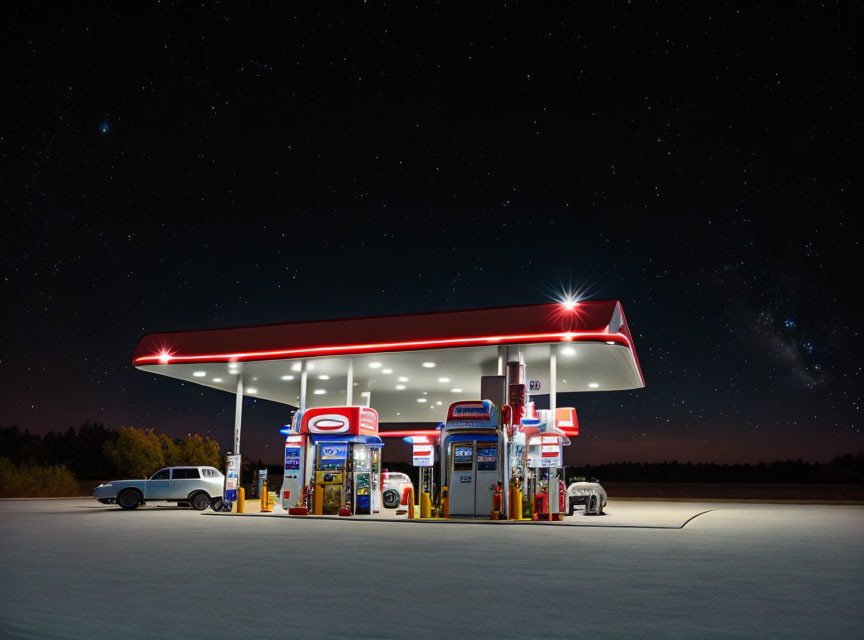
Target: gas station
x,y
466,383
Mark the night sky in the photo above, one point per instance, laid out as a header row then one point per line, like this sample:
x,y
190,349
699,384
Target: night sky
x,y
169,167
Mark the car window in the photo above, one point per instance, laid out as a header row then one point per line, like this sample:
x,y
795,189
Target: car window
x,y
186,474
162,474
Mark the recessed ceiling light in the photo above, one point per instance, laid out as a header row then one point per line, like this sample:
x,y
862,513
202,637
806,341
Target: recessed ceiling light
x,y
199,374
421,400
310,366
323,377
295,366
429,365
251,390
439,403
402,379
611,342
568,351
456,390
374,365
386,370
217,379
320,392
443,379
365,393
399,387
593,385
286,378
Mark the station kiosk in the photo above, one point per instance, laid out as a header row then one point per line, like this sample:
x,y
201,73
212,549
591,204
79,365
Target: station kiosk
x,y
471,444
333,461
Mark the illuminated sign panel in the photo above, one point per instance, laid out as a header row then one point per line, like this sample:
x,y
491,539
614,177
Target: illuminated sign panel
x,y
424,455
337,451
340,420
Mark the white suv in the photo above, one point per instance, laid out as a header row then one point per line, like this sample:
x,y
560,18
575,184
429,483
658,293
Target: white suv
x,y
201,487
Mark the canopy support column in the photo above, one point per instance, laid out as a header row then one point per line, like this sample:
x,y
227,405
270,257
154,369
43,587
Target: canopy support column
x,y
349,388
303,376
552,482
503,354
238,414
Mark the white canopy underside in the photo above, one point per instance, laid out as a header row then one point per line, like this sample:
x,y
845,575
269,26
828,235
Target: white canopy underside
x,y
428,390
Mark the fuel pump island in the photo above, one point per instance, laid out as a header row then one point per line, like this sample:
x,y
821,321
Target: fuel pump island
x,y
478,374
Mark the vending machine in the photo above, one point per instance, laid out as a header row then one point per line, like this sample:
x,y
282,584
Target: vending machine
x,y
361,468
330,486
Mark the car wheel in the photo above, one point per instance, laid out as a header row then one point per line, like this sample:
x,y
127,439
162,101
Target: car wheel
x,y
129,499
391,498
591,506
200,501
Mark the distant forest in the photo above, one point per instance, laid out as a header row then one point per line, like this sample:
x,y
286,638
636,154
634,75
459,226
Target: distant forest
x,y
81,450
95,452
845,469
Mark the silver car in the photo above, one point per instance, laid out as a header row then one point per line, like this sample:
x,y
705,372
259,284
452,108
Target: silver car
x,y
589,495
200,487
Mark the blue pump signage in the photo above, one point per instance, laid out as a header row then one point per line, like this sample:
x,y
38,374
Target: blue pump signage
x,y
334,451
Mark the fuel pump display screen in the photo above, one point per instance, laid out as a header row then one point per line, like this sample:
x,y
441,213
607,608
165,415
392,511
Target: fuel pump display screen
x,y
487,459
463,458
292,459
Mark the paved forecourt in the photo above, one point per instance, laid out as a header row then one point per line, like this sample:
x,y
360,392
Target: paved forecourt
x,y
75,569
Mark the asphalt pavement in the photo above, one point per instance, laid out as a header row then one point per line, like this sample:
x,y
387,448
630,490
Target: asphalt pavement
x,y
77,569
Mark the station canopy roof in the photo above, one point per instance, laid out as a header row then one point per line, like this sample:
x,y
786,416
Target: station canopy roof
x,y
413,366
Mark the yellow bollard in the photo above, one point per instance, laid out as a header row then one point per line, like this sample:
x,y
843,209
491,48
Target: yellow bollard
x,y
425,505
445,502
411,503
241,500
319,500
516,503
265,499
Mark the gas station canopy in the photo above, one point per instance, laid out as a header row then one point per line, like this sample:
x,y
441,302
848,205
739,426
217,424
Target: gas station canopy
x,y
410,368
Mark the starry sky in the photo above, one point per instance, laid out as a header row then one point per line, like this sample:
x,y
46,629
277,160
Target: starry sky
x,y
166,166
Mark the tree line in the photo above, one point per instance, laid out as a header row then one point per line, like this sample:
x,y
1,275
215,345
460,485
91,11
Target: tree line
x,y
842,469
95,452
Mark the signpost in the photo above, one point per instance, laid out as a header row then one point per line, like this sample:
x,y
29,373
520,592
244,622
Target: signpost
x,y
262,480
232,477
424,455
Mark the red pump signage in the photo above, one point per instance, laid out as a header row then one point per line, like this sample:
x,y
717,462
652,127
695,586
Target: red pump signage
x,y
340,420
